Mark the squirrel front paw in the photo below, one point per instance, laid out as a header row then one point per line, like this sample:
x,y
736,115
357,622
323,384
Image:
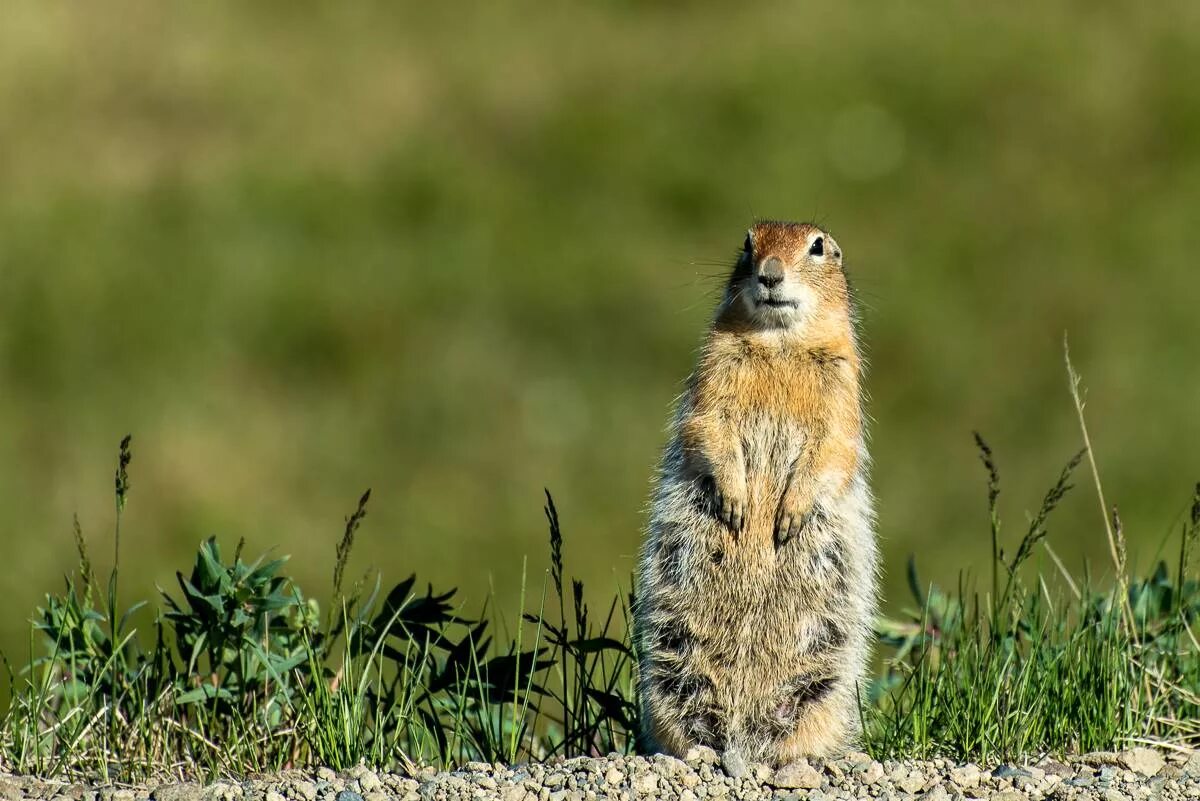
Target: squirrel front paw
x,y
727,502
795,512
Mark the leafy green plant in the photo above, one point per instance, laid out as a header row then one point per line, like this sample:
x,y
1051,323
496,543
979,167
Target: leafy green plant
x,y
238,628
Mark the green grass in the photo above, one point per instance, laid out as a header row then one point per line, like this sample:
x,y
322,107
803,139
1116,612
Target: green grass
x,y
240,671
1041,661
1030,670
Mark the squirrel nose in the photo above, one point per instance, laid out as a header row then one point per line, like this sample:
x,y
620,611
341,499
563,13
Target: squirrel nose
x,y
770,272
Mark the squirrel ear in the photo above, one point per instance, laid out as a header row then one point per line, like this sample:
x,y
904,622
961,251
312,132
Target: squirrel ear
x,y
748,245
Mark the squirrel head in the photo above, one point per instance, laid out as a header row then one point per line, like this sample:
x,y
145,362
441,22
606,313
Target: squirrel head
x,y
788,276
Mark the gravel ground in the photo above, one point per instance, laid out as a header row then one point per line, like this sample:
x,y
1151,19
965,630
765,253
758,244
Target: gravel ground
x,y
1126,776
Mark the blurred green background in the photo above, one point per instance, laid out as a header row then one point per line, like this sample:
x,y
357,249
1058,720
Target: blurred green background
x,y
459,253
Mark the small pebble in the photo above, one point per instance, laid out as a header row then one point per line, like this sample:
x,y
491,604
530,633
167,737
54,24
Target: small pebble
x,y
798,775
734,763
965,777
1144,761
644,784
1009,795
872,774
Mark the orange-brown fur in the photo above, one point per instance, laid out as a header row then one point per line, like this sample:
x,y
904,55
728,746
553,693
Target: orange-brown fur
x,y
758,572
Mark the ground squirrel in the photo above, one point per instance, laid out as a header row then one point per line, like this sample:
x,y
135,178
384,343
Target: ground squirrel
x,y
756,585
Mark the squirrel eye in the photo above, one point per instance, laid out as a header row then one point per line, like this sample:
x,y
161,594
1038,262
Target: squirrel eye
x,y
818,247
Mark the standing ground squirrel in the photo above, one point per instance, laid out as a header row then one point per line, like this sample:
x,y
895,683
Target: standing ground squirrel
x,y
756,585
